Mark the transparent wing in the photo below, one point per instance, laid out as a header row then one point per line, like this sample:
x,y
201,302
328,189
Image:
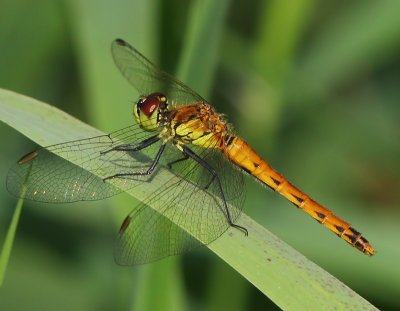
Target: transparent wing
x,y
186,206
74,171
148,78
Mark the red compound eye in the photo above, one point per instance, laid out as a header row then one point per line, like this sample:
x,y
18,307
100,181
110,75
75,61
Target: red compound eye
x,y
151,103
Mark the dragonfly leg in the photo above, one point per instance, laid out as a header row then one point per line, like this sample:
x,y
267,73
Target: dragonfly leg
x,y
128,147
148,172
185,157
189,153
210,182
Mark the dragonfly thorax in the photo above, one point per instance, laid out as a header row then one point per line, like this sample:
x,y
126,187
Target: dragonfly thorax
x,y
149,111
197,124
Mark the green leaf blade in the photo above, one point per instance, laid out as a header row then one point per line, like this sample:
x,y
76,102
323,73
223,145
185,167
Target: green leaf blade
x,y
285,276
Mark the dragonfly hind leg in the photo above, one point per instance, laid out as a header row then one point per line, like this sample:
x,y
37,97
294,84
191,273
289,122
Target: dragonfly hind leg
x,y
185,157
189,153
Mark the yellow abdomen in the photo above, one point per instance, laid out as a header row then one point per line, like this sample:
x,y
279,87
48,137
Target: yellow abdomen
x,y
242,155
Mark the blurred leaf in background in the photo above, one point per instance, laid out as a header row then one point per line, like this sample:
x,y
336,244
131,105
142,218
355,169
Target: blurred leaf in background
x,y
312,85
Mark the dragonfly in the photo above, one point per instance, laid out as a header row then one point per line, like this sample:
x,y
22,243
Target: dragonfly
x,y
177,135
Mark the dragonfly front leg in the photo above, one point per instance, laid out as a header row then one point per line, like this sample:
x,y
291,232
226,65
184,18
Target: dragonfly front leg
x,y
189,153
128,147
144,144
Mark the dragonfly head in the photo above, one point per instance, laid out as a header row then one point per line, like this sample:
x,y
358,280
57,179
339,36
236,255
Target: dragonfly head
x,y
149,110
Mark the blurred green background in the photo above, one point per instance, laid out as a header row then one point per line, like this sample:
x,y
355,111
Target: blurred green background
x,y
314,86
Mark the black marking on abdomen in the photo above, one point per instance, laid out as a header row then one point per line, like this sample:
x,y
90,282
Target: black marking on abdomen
x,y
276,182
300,200
321,215
340,229
359,245
355,231
354,236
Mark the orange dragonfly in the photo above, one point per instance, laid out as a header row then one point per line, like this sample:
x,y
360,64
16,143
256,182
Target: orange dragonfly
x,y
178,131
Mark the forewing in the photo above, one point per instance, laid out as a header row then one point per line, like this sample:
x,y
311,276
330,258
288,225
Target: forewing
x,y
74,171
148,78
184,209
